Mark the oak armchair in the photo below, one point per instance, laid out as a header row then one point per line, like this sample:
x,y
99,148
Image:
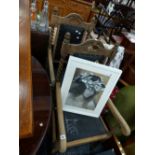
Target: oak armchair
x,y
66,135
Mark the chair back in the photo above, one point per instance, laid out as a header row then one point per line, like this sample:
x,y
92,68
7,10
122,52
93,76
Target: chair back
x,y
89,49
72,23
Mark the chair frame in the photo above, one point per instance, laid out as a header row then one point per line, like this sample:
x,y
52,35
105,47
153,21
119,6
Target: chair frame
x,y
62,144
73,19
89,47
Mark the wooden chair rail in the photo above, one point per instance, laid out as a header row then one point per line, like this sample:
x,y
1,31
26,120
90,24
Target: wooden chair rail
x,y
73,19
88,47
51,68
61,126
63,144
123,82
89,140
91,47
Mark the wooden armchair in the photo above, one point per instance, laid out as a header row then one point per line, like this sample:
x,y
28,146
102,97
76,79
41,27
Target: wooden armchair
x,y
92,50
72,134
73,23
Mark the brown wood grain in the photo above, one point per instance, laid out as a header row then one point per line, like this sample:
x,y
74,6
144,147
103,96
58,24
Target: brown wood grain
x,y
71,19
41,110
70,6
25,73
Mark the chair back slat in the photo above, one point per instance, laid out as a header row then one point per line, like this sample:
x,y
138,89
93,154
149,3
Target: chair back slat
x,y
71,23
73,19
89,47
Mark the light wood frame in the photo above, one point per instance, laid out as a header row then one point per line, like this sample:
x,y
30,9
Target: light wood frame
x,y
72,19
62,144
90,46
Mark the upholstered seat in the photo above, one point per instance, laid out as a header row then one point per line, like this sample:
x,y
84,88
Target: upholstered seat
x,y
79,126
75,129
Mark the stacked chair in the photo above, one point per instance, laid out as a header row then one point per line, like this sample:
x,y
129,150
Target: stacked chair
x,y
90,129
72,23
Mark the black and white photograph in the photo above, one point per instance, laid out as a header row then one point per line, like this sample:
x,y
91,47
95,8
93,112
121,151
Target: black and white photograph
x,y
87,86
86,89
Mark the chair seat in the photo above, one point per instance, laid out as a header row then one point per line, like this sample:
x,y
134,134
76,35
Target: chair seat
x,y
80,126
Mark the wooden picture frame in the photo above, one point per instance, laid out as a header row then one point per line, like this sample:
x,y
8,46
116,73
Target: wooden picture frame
x,y
87,86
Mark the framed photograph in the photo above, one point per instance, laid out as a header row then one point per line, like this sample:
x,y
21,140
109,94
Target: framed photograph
x,y
87,86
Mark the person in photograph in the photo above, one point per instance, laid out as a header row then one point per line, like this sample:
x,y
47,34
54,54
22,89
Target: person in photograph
x,y
84,88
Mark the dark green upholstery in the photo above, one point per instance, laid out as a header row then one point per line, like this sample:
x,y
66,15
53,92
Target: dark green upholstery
x,y
125,103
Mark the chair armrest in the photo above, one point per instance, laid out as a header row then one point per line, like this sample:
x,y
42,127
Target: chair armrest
x,y
60,115
124,126
123,82
51,68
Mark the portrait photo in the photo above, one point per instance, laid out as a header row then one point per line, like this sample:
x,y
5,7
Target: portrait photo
x,y
87,86
86,89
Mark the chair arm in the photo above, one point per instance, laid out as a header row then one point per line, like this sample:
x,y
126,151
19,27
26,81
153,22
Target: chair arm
x,y
51,68
61,126
123,82
124,126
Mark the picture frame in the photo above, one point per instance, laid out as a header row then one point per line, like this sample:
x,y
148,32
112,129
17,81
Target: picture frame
x,y
87,86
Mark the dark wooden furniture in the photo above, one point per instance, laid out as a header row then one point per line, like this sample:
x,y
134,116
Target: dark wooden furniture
x,y
128,42
34,90
69,6
41,110
65,138
128,63
39,46
25,72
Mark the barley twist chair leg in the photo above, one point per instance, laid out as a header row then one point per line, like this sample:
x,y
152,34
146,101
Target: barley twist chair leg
x,y
60,68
